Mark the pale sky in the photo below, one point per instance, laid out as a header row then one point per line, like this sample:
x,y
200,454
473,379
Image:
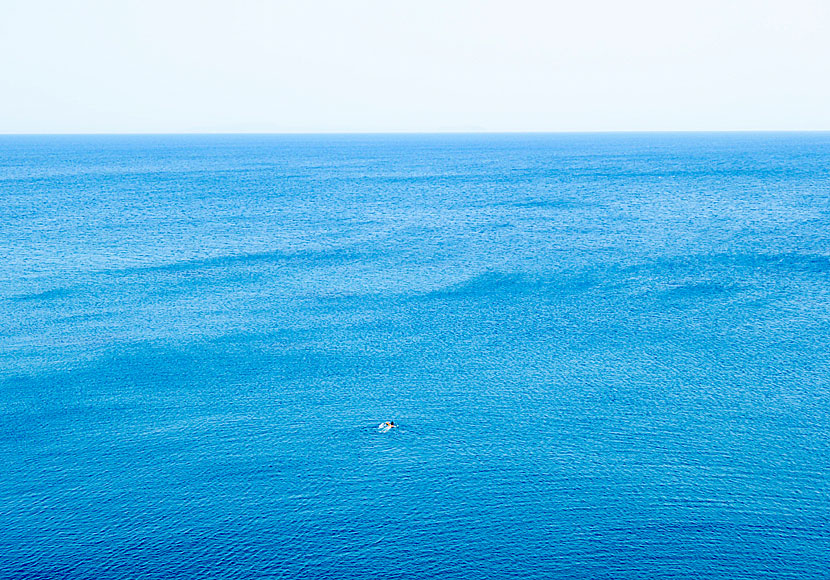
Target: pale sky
x,y
175,66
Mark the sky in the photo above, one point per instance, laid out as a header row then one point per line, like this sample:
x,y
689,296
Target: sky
x,y
183,66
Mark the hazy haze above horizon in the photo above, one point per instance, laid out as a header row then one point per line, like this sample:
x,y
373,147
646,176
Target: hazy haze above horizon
x,y
373,66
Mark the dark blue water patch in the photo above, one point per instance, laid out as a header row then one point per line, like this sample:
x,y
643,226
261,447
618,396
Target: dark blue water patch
x,y
51,294
701,290
807,263
550,204
698,277
309,257
490,284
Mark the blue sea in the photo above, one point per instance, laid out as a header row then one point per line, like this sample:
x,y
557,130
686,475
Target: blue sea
x,y
607,355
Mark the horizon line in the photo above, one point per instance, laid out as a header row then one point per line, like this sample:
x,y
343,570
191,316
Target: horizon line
x,y
380,133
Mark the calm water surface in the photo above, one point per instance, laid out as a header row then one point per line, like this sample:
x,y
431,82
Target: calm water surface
x,y
608,356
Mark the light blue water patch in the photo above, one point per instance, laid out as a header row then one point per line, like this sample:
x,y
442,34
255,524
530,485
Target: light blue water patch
x,y
606,355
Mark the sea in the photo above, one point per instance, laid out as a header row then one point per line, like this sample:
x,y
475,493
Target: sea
x,y
607,356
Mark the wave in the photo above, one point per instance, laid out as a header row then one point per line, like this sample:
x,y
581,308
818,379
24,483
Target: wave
x,y
681,277
331,256
50,294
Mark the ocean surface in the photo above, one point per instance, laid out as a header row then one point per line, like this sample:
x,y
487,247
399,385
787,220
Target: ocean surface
x,y
608,356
